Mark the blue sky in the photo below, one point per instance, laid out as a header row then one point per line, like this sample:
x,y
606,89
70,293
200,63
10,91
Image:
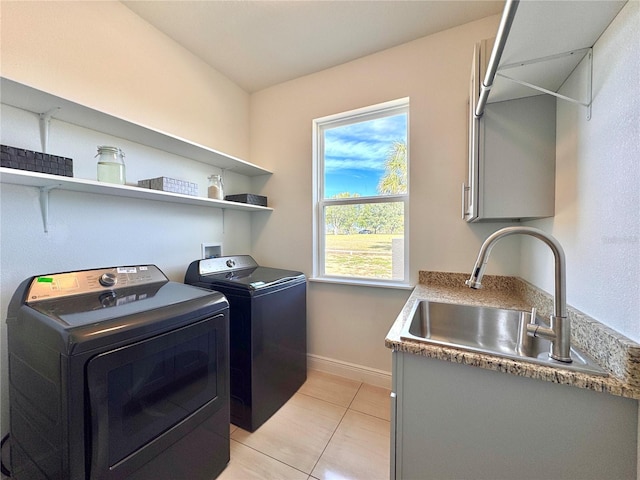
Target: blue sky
x,y
354,154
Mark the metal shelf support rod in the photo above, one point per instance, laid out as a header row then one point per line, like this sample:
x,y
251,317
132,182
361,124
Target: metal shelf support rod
x,y
506,21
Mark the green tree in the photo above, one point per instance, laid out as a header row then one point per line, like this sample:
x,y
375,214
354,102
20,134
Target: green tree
x,y
394,180
371,217
393,215
341,218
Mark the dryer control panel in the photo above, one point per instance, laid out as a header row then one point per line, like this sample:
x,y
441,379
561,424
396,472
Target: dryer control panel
x,y
47,287
226,264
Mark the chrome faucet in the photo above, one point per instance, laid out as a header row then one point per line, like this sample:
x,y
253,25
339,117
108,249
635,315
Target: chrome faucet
x,y
559,331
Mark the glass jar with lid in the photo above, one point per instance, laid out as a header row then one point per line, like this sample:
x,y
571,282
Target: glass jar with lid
x,y
215,190
111,168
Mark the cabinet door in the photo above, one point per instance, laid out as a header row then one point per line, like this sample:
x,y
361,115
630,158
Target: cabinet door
x,y
516,168
459,421
396,418
511,158
470,189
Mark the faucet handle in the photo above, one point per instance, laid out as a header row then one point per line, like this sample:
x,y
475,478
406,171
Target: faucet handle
x,y
534,311
474,280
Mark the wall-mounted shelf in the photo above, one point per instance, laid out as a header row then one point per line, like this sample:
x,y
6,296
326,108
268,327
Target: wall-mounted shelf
x,y
545,43
46,183
51,106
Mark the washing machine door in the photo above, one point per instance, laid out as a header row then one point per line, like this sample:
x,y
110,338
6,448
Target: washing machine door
x,y
146,395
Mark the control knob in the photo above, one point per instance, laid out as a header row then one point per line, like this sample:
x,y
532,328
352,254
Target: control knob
x,y
108,279
231,263
108,299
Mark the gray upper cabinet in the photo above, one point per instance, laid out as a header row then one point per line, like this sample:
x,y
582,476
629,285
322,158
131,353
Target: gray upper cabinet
x,y
511,173
515,83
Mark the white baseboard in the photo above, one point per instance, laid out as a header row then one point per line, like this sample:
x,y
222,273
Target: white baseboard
x,y
352,371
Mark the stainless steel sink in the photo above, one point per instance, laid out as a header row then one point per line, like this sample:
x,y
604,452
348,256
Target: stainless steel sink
x,y
493,331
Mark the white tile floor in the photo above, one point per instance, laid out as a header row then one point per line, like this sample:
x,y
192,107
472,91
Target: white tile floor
x,y
331,429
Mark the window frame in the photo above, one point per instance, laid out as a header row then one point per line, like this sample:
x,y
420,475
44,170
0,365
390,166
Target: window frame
x,y
381,110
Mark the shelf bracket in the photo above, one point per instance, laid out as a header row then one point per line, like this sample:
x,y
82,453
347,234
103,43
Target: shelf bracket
x,y
44,205
45,120
589,86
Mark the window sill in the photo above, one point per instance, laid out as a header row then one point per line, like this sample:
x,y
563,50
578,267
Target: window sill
x,y
360,282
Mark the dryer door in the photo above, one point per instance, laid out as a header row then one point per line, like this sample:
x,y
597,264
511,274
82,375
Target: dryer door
x,y
145,396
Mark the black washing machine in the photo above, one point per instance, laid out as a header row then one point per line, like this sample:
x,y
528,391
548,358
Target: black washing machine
x,y
268,332
117,373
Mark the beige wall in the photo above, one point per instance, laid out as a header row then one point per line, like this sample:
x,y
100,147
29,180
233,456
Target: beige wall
x,y
348,324
102,55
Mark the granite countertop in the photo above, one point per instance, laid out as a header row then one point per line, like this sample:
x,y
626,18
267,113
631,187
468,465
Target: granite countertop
x,y
614,352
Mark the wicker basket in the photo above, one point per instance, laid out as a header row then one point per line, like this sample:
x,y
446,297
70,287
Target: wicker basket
x,y
21,159
248,198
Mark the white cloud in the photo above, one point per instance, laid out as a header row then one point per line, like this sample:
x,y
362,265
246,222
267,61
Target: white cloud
x,y
363,145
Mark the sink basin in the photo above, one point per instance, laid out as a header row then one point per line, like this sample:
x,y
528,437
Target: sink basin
x,y
493,331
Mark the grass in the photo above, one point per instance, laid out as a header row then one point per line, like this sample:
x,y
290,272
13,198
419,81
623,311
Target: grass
x,y
359,255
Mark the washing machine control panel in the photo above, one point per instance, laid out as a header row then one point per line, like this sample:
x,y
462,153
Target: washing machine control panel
x,y
46,287
226,264
108,279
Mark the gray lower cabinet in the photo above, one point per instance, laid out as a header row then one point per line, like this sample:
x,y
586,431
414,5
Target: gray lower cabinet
x,y
454,421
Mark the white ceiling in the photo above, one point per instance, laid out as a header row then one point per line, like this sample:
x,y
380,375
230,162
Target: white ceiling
x,y
260,43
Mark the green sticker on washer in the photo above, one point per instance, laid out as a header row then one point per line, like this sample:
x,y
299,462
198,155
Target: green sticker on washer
x,y
45,279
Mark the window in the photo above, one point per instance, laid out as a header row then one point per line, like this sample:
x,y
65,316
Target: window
x,y
361,195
